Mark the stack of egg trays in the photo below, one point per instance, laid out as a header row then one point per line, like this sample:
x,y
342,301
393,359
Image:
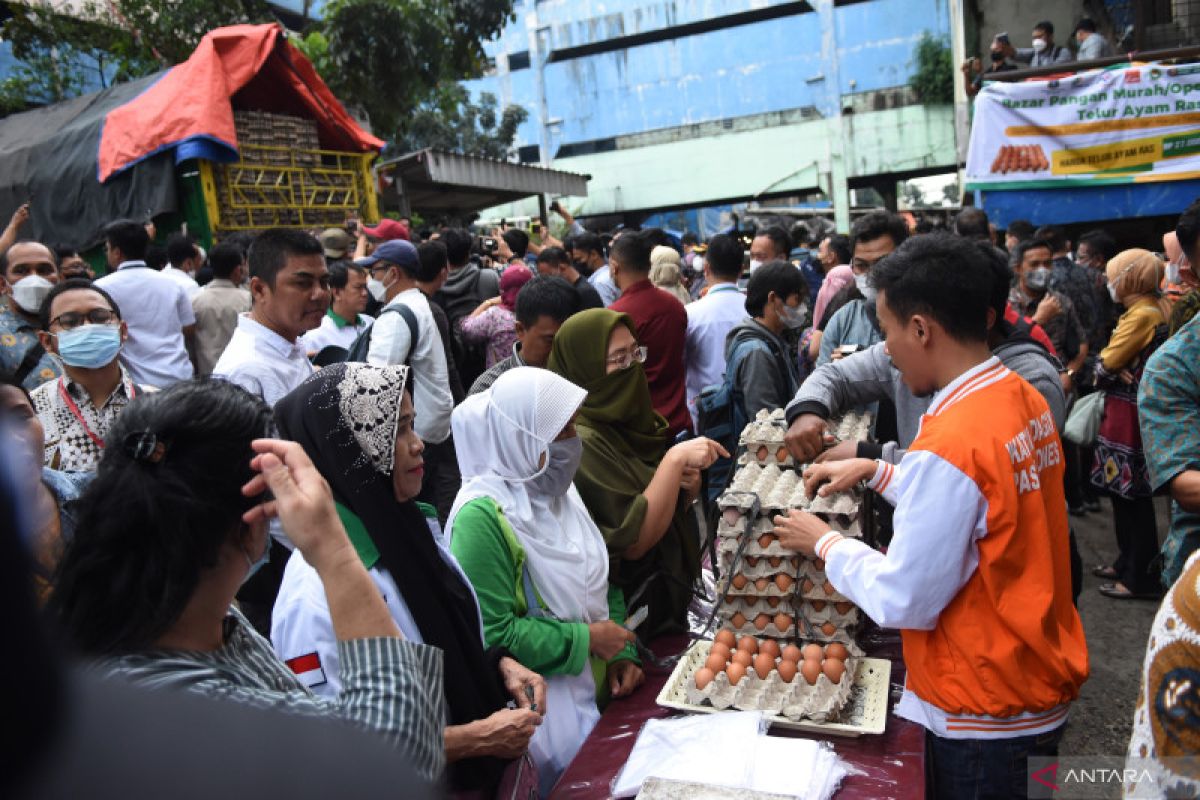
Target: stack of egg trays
x,y
797,700
762,440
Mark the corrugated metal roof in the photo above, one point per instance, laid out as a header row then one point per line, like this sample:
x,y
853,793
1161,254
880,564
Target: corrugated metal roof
x,y
439,181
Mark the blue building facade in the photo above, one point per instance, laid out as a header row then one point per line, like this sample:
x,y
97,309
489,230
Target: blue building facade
x,y
603,80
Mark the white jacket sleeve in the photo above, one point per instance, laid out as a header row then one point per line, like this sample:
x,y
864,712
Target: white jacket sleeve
x,y
302,633
940,516
390,341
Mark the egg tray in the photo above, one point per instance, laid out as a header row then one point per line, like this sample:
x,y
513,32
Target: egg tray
x,y
778,489
863,709
797,630
817,612
754,567
752,605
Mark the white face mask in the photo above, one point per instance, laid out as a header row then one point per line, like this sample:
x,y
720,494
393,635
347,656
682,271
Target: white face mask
x,y
377,289
1039,45
1174,273
1112,292
793,318
564,457
755,264
29,292
864,286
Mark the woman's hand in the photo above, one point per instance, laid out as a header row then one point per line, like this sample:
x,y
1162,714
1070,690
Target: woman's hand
x,y
484,306
698,453
690,483
624,677
505,734
526,686
302,499
607,638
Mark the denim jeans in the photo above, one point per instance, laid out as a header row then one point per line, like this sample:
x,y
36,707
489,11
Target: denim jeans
x,y
983,769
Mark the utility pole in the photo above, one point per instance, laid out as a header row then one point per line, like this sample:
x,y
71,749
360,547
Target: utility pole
x,y
962,104
539,51
831,109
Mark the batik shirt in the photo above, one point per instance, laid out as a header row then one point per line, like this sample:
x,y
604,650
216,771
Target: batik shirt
x,y
16,338
1169,416
1077,283
75,427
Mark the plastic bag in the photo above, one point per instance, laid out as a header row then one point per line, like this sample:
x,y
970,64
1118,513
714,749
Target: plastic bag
x,y
711,748
1083,423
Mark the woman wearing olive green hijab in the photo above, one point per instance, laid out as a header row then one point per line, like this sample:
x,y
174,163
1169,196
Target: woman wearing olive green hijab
x,y
637,487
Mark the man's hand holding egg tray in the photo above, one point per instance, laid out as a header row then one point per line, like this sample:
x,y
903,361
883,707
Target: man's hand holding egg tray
x,y
799,530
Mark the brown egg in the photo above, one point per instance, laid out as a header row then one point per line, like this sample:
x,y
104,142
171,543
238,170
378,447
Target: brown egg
x,y
732,516
784,582
828,588
763,664
829,629
704,676
726,638
741,657
769,646
736,672
796,562
781,455
740,581
811,670
762,452
786,670
716,662
721,648
751,561
833,669
792,653
813,652
773,602
749,644
808,585
775,561
762,583
730,598
837,650
818,605
762,621
765,540
819,564
843,608
738,620
783,621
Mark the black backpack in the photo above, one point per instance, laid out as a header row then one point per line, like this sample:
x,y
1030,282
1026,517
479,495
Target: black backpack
x,y
469,357
362,345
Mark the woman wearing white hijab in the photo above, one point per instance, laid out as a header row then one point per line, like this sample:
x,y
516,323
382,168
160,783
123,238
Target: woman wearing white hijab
x,y
536,559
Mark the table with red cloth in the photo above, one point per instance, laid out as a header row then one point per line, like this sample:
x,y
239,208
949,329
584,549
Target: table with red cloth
x,y
892,763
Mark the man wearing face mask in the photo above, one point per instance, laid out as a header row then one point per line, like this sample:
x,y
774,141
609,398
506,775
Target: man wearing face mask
x,y
850,318
769,244
758,364
998,61
1032,297
29,273
1043,52
82,326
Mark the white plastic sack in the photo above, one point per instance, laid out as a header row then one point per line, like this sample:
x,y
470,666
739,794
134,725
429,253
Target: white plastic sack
x,y
1083,423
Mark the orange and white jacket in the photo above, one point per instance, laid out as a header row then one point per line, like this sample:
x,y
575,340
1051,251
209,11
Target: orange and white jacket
x,y
977,577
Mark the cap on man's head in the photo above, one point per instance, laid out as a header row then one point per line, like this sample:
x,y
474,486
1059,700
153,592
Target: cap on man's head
x,y
336,242
398,252
388,230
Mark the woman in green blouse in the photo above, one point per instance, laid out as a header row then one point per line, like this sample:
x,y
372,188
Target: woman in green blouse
x,y
537,562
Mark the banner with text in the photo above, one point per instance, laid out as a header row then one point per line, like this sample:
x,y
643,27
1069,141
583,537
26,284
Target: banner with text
x,y
1124,125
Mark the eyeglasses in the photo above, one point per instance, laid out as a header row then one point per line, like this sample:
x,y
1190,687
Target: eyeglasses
x,y
73,319
626,358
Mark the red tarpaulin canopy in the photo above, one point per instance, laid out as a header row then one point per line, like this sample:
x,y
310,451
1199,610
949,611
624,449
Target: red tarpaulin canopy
x,y
193,102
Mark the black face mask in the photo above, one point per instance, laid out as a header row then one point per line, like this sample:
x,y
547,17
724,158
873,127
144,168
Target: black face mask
x,y
997,56
580,266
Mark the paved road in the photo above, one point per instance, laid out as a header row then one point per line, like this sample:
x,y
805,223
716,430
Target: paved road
x,y
1116,633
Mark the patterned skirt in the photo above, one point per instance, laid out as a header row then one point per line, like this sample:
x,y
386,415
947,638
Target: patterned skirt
x,y
1119,466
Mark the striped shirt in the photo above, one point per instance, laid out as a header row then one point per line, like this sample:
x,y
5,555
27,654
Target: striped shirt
x,y
389,685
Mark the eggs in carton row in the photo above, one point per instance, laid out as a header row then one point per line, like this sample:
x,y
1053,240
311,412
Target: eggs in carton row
x,y
787,625
754,567
809,617
813,682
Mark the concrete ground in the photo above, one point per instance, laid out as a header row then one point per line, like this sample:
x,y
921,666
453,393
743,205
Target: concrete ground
x,y
1117,631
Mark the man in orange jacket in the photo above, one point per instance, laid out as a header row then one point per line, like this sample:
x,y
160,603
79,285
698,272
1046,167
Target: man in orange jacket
x,y
977,577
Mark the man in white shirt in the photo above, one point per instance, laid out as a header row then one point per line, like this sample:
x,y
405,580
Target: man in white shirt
x,y
185,259
397,265
218,305
344,320
712,317
289,287
157,310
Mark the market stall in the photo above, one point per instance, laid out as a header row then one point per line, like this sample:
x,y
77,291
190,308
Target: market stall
x,y
782,644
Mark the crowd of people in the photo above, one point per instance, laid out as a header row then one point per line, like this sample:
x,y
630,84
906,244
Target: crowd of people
x,y
421,481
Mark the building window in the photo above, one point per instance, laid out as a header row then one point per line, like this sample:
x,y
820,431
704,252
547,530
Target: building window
x,y
529,154
518,61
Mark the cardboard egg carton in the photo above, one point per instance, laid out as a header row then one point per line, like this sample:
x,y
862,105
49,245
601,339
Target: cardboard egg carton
x,y
796,699
763,440
751,605
743,625
754,567
842,614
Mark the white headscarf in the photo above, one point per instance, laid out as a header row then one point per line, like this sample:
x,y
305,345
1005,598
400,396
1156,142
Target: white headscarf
x,y
501,436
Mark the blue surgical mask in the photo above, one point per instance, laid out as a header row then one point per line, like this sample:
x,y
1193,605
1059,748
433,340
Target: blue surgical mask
x,y
89,346
563,462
